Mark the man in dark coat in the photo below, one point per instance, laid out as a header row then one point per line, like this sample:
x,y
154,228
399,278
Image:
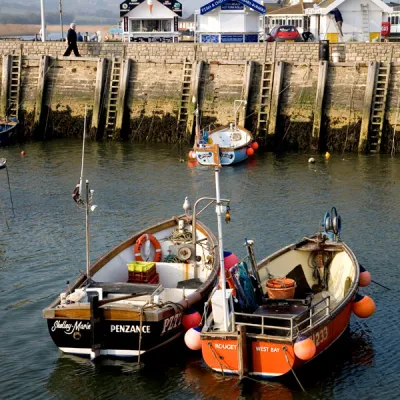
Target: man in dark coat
x,y
71,39
338,18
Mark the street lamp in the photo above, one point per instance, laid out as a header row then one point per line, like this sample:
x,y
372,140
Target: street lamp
x,y
43,35
61,22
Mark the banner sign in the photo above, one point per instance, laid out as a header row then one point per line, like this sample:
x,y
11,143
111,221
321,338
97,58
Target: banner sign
x,y
126,21
159,39
129,5
232,5
251,38
209,38
231,38
218,3
176,27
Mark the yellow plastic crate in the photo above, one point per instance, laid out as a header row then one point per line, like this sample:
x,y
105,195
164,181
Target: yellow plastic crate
x,y
140,266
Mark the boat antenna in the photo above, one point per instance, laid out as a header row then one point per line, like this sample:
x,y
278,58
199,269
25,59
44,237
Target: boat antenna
x,y
87,204
236,107
221,245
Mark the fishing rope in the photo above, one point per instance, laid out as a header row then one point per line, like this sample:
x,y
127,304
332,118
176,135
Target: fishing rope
x,y
294,374
216,357
9,189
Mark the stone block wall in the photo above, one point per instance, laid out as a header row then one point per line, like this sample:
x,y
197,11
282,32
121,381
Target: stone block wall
x,y
29,81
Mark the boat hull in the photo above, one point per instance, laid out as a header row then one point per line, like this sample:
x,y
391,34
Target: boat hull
x,y
7,130
119,338
269,359
227,157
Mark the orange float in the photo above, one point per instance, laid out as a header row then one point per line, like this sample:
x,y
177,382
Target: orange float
x,y
141,241
365,277
363,306
304,348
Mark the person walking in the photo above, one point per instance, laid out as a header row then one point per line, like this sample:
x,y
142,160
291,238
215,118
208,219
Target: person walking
x,y
71,39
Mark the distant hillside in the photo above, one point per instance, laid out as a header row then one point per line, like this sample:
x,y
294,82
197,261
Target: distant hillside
x,y
79,11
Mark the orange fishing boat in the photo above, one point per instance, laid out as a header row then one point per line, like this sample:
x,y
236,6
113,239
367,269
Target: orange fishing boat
x,y
288,309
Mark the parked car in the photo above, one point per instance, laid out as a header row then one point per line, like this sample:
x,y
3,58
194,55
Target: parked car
x,y
284,33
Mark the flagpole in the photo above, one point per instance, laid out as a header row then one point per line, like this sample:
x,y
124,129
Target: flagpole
x,y
87,232
83,153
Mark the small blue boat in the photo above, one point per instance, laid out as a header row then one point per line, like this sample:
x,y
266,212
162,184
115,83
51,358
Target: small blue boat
x,y
7,130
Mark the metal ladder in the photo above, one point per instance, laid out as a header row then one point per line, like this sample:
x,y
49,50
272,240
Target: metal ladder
x,y
15,86
184,107
365,21
113,96
379,106
265,98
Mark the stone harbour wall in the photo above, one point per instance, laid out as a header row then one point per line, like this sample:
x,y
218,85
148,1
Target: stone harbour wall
x,y
311,103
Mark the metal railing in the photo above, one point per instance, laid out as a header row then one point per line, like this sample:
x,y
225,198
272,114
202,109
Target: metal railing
x,y
295,326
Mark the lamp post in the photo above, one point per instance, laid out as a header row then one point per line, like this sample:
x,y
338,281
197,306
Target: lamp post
x,y
61,22
43,21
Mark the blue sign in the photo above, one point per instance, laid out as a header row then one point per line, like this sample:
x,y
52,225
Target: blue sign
x,y
231,38
116,31
209,38
217,3
232,5
251,38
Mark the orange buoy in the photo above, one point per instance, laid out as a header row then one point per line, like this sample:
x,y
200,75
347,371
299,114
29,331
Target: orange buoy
x,y
250,151
363,306
22,153
304,348
254,146
192,338
230,260
191,319
365,277
192,163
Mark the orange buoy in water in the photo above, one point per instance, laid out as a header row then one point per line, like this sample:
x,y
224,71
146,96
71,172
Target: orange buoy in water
x,y
365,277
22,153
192,163
363,306
250,151
191,319
254,145
192,338
304,348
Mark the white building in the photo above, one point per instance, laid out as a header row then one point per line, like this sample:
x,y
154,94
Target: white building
x,y
230,21
150,20
362,20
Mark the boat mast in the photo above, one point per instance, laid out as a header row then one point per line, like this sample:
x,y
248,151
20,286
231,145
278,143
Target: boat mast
x,y
221,249
87,231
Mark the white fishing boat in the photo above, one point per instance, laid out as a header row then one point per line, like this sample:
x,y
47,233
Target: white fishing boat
x,y
235,143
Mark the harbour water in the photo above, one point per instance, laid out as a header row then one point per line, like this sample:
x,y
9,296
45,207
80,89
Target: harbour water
x,y
276,200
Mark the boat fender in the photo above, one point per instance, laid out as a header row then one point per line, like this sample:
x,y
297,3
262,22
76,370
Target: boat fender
x,y
365,277
304,348
141,241
192,338
363,306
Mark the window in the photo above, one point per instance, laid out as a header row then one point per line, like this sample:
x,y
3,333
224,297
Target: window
x,y
135,25
166,25
287,29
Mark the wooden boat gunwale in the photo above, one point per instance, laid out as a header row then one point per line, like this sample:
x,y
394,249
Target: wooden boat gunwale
x,y
104,259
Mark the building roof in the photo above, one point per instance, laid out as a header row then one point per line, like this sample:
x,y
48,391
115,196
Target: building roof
x,y
296,9
325,6
142,11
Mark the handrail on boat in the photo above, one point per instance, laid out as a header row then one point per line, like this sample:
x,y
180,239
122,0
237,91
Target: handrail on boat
x,y
295,326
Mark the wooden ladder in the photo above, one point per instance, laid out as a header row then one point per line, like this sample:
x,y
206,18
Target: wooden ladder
x,y
15,86
379,106
184,108
267,78
113,95
365,21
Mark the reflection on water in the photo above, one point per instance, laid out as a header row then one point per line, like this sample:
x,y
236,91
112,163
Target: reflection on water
x,y
275,200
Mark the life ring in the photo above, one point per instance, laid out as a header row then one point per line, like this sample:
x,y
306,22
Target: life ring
x,y
141,241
